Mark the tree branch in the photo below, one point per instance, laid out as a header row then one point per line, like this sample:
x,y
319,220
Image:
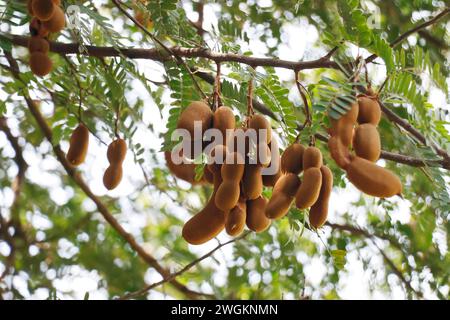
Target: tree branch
x,y
182,270
76,177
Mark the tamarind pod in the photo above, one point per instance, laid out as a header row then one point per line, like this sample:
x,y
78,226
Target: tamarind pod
x,y
207,223
229,191
319,211
112,176
224,120
343,127
233,168
38,29
339,152
57,22
312,157
117,151
369,110
197,111
292,158
287,184
372,179
309,190
278,206
366,142
38,44
256,218
183,171
259,122
235,219
40,64
79,142
43,9
252,182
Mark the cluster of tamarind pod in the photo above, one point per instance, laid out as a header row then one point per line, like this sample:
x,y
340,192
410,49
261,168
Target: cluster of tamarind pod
x,y
238,180
48,17
79,143
357,130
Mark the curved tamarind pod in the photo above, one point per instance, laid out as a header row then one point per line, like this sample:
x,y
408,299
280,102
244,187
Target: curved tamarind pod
x,y
224,120
197,111
112,176
38,44
259,122
252,182
79,142
40,64
292,159
343,127
183,171
235,219
256,217
372,179
369,110
366,142
227,195
319,211
57,22
117,151
43,9
309,190
207,223
282,196
338,152
312,157
38,29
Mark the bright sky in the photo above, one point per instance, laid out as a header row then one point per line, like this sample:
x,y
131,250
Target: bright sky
x,y
354,280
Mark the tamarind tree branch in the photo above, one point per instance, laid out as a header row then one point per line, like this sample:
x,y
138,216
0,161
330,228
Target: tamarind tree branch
x,y
418,28
76,177
182,270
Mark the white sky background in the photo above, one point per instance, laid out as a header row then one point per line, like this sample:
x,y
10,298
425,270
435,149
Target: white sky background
x,y
299,44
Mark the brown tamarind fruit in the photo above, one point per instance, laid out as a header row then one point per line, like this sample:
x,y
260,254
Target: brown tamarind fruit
x,y
38,44
40,64
57,22
319,211
252,181
116,155
79,142
366,142
256,217
259,122
227,195
207,223
343,127
183,171
224,120
38,29
309,189
235,219
292,159
369,110
197,111
312,157
282,196
372,179
43,9
339,152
